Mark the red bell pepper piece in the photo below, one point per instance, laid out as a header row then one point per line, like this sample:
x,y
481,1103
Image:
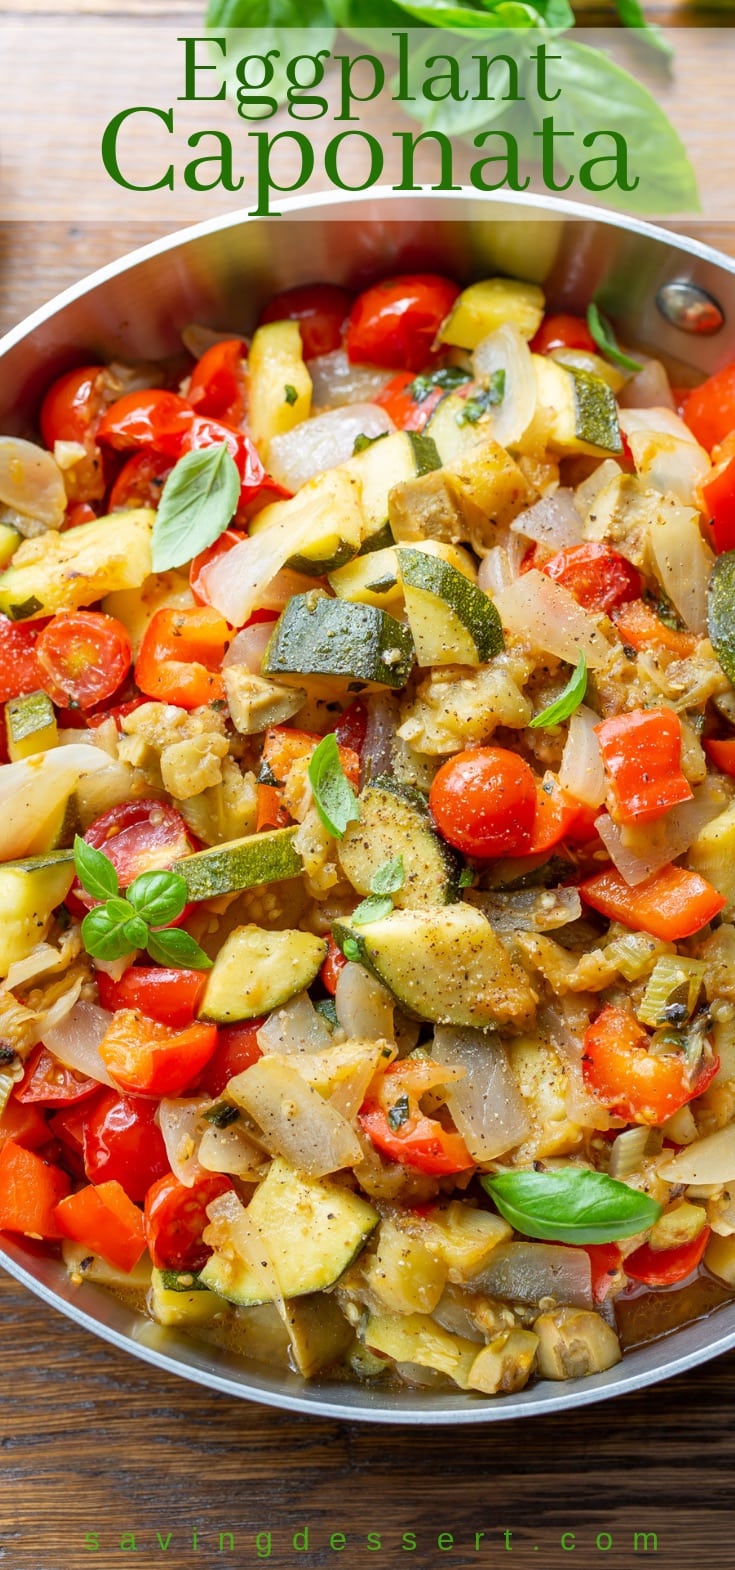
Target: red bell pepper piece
x,y
605,1259
180,657
597,577
721,752
333,964
641,752
718,495
23,1125
709,410
640,1086
104,1221
673,904
664,1267
640,628
30,1190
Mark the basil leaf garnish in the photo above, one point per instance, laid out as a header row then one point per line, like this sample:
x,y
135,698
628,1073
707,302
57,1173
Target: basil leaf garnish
x,y
601,330
334,798
570,1205
94,870
567,701
374,908
174,946
389,878
197,503
103,934
159,897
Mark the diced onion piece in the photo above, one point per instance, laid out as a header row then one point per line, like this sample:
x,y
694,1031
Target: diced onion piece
x,y
547,615
335,381
528,1272
179,1119
75,1041
248,647
98,793
709,1160
487,1105
582,772
323,442
553,522
589,490
683,565
566,1023
501,566
665,453
32,791
638,854
648,389
627,1151
42,960
364,1006
229,1150
296,1122
31,482
297,1027
507,351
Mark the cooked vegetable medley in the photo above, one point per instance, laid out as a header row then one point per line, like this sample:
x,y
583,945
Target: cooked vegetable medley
x,y
368,836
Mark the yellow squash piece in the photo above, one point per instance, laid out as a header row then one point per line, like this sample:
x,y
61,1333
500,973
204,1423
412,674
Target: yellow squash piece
x,y
279,391
30,890
61,572
485,306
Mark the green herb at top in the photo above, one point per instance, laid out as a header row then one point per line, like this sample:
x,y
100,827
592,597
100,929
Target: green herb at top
x,y
137,920
399,1112
197,502
290,394
445,376
567,701
601,330
389,878
570,1205
487,398
334,798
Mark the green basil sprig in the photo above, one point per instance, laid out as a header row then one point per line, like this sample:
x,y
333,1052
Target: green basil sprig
x,y
567,701
334,798
571,1205
601,330
387,880
138,920
197,503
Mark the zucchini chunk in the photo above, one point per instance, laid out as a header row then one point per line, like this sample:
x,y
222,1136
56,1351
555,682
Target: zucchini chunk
x,y
318,636
721,612
394,821
371,579
30,890
312,1230
257,970
334,532
279,385
401,456
243,864
181,1299
577,410
61,572
486,305
447,966
462,501
452,434
30,725
452,621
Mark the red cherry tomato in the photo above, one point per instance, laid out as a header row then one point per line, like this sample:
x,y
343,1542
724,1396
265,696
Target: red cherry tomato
x,y
139,836
175,1218
563,332
169,996
23,1125
71,412
147,1059
484,802
225,543
152,419
78,513
20,671
664,1267
122,1142
140,481
597,577
396,322
709,410
423,1143
85,656
321,310
205,432
217,385
237,1049
49,1083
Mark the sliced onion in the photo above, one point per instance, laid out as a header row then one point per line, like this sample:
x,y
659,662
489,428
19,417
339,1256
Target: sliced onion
x,y
248,647
566,1023
627,1151
507,351
553,522
683,565
32,791
76,1039
336,381
487,1105
296,1122
665,453
275,596
501,566
364,1006
230,1150
648,389
528,1272
110,787
31,482
663,841
297,1027
709,1160
587,493
42,960
233,1230
545,614
581,771
377,750
660,421
179,1120
323,442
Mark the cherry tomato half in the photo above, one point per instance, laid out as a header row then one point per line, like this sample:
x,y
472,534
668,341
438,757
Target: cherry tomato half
x,y
237,1049
153,419
206,432
396,322
563,332
139,836
140,481
122,1141
71,412
49,1083
217,385
175,1218
640,1086
85,656
597,577
483,801
147,1059
169,996
321,310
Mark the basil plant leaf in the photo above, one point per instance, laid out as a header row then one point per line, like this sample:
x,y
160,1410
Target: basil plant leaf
x,y
601,330
159,897
351,950
135,932
372,909
104,935
94,870
334,798
567,701
570,1205
389,878
631,14
197,503
173,946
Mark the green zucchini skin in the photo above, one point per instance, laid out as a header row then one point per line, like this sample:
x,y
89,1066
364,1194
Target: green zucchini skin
x,y
450,610
596,411
242,864
394,821
721,612
324,637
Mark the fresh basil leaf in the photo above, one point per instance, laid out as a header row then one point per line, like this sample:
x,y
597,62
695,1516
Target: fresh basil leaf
x,y
173,946
466,878
399,1113
334,798
487,398
351,950
571,1205
222,1114
119,909
374,908
94,870
328,1010
631,14
197,503
467,18
601,330
159,897
290,394
268,13
567,701
445,376
389,878
135,932
103,935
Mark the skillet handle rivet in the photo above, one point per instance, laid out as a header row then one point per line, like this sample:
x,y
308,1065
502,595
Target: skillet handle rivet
x,y
689,307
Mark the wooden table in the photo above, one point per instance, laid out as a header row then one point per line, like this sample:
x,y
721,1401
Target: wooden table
x,y
93,1442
